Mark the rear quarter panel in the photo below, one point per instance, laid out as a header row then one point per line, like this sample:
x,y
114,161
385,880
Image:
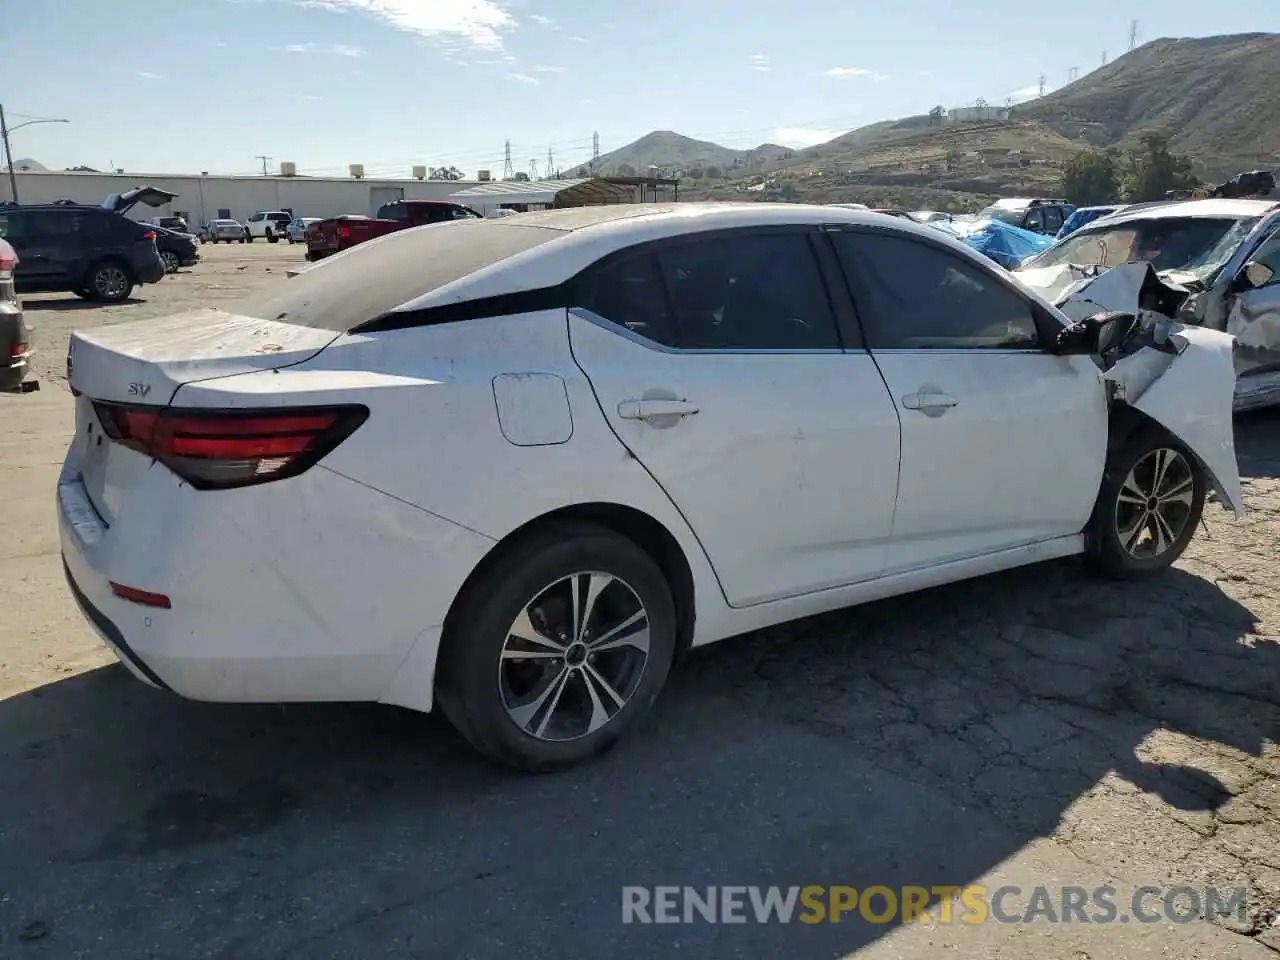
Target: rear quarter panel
x,y
433,438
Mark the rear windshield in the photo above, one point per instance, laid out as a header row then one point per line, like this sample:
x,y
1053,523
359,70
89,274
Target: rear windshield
x,y
374,278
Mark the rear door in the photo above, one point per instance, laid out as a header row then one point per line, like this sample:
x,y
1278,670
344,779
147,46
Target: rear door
x,y
1254,317
1003,443
717,361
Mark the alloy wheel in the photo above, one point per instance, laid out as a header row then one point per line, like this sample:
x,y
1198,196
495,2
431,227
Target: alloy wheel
x,y
1155,503
574,657
170,261
110,282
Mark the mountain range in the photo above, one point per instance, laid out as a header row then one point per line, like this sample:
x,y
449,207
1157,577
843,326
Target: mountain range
x,y
1216,98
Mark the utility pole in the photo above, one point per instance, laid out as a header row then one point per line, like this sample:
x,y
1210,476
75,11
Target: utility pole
x,y
1133,34
595,151
533,168
508,171
551,164
1042,84
1072,74
8,156
1104,58
264,158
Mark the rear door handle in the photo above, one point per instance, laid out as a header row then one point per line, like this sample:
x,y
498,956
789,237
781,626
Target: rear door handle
x,y
933,404
651,409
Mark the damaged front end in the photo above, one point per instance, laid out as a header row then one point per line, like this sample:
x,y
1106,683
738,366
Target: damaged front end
x,y
1183,377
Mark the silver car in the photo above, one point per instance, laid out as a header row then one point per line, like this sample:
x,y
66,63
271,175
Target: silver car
x,y
297,229
228,231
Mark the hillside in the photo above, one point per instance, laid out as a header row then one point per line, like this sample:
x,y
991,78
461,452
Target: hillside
x,y
668,150
1218,97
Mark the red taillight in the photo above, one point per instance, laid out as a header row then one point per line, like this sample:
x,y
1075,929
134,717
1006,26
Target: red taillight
x,y
344,232
144,597
214,450
17,351
6,267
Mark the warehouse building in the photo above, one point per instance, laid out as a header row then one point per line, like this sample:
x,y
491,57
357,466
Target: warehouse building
x,y
202,197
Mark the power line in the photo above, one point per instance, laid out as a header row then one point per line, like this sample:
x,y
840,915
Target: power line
x,y
264,158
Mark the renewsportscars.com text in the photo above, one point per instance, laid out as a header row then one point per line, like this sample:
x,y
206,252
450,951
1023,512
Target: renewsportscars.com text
x,y
946,904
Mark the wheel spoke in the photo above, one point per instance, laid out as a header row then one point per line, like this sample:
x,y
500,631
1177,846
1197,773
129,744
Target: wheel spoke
x,y
1158,529
631,632
531,655
600,714
584,600
1131,490
526,631
526,713
1180,492
1129,537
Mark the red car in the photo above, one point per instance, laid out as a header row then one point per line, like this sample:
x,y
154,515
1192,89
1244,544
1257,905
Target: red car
x,y
14,348
336,234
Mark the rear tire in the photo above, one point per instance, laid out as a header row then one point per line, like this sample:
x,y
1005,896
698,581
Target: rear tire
x,y
1149,503
110,281
556,700
171,261
271,237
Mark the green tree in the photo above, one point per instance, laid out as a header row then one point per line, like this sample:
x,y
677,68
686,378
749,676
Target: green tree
x,y
1090,178
695,174
936,115
714,173
626,170
1152,171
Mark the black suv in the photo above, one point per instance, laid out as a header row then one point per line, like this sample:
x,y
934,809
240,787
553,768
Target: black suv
x,y
91,251
1037,215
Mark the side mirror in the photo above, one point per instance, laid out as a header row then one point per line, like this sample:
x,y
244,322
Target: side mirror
x,y
1254,275
1095,335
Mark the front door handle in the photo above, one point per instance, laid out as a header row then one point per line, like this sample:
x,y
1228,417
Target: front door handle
x,y
655,409
929,403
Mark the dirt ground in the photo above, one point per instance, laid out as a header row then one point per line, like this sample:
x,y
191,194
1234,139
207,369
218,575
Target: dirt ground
x,y
1034,727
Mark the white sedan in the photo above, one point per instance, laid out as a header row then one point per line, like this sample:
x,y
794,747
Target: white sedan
x,y
518,466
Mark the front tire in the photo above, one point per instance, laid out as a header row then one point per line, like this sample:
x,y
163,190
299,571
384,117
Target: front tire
x,y
1150,501
271,237
558,649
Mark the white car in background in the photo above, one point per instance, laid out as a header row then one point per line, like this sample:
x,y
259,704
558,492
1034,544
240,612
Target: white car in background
x,y
517,466
272,225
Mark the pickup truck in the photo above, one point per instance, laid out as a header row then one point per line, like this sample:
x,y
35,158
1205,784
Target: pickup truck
x,y
336,234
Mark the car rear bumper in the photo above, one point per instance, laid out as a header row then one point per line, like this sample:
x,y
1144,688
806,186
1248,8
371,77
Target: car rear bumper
x,y
14,345
266,603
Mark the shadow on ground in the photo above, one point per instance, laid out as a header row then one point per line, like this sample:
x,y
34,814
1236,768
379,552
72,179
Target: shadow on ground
x,y
70,302
914,741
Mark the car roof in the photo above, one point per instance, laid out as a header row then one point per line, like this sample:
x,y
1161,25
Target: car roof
x,y
1239,209
586,234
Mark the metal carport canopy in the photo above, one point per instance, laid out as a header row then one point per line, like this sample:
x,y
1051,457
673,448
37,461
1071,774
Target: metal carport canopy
x,y
580,192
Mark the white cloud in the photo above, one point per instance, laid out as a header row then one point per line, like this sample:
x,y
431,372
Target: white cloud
x,y
802,136
550,69
478,22
846,72
760,62
524,78
336,49
577,39
923,73
542,21
148,75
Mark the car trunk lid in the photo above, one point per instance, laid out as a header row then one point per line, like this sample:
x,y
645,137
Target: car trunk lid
x,y
147,360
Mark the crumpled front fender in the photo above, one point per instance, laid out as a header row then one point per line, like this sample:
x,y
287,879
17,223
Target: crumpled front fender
x,y
1190,394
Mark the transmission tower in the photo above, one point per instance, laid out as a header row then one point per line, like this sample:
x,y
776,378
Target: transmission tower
x,y
1072,74
551,164
533,169
595,151
1042,84
264,158
508,171
1104,58
1133,34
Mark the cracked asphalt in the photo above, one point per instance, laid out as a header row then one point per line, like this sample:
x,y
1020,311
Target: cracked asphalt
x,y
1035,725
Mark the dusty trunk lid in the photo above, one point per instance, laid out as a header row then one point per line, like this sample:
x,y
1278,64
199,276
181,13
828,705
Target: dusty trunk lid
x,y
147,360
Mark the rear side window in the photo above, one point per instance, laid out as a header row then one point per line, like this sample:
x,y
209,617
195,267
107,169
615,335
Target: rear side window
x,y
629,292
374,278
393,211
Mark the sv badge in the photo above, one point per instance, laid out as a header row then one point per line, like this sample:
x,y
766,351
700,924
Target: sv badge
x,y
139,389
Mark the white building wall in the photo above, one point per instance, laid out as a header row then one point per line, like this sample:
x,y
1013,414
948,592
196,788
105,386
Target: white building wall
x,y
202,198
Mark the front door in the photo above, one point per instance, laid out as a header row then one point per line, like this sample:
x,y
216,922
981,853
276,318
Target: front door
x,y
1003,443
718,364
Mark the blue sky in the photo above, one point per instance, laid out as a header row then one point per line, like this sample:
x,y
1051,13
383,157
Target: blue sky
x,y
194,85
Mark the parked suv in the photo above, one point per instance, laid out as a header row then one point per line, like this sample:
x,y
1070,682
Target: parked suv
x,y
91,251
272,224
1036,215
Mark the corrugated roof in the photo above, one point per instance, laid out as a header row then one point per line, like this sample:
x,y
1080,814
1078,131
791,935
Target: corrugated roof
x,y
579,192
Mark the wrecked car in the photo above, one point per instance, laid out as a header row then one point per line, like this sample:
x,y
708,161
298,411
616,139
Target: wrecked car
x,y
649,429
1225,255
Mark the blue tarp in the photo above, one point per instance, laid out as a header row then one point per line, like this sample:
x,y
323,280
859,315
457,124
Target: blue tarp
x,y
1005,244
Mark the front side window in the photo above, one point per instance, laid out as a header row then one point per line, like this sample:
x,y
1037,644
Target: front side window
x,y
1052,219
1034,220
916,296
393,211
1269,254
753,291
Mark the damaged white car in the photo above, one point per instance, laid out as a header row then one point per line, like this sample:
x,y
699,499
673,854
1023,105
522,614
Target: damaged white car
x,y
1225,254
518,466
